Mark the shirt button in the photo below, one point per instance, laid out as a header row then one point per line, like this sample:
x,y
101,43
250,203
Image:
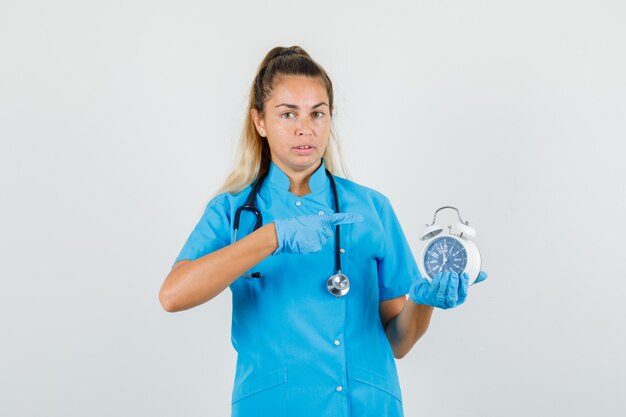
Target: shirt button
x,y
337,342
298,203
342,250
339,388
321,213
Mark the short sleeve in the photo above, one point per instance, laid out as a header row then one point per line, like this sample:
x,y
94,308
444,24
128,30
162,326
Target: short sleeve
x,y
212,232
397,267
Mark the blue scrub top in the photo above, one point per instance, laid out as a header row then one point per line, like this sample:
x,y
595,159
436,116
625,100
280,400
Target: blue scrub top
x,y
302,351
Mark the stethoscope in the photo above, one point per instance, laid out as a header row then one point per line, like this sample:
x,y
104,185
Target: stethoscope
x,y
338,284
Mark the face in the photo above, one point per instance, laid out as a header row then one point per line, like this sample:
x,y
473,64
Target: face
x,y
296,122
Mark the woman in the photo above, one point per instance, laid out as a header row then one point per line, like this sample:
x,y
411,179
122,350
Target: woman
x,y
307,346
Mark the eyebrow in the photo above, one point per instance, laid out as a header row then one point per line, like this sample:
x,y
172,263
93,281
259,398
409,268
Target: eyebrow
x,y
293,106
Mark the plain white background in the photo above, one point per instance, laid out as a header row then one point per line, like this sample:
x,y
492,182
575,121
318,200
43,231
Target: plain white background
x,y
118,121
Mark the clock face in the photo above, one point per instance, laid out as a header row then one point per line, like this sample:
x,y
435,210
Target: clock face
x,y
444,254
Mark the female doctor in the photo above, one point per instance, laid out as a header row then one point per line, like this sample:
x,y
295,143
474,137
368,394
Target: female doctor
x,y
307,345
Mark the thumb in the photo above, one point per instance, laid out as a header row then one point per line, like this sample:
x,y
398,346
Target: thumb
x,y
344,218
481,277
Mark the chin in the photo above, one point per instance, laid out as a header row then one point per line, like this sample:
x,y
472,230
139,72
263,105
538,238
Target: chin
x,y
310,160
305,163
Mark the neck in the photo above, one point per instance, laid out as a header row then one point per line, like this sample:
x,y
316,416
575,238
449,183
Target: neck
x,y
299,180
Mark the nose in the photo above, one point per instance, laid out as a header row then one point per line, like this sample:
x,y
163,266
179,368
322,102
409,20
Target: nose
x,y
303,128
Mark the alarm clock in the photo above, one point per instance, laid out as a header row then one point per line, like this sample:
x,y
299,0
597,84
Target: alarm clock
x,y
454,251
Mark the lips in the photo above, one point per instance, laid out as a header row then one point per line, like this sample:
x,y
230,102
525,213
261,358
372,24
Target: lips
x,y
303,150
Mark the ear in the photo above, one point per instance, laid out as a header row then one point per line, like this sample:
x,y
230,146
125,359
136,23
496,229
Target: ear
x,y
259,123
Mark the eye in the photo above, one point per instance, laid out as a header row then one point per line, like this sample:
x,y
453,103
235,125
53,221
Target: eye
x,y
320,113
289,112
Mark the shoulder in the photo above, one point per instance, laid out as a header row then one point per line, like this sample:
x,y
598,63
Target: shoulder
x,y
364,194
225,201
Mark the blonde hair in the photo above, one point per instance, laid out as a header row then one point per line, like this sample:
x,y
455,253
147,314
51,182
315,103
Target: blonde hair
x,y
253,155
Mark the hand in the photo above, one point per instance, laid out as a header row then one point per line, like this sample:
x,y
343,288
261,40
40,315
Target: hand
x,y
307,234
445,291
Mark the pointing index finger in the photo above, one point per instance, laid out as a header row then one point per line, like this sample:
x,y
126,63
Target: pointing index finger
x,y
344,218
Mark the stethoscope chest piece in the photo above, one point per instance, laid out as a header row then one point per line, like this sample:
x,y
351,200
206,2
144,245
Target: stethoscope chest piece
x,y
338,285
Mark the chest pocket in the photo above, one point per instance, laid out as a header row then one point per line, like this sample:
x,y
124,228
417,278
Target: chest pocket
x,y
265,395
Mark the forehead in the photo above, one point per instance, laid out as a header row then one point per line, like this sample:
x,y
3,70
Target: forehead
x,y
294,88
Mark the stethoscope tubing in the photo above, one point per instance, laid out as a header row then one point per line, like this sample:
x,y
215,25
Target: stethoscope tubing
x,y
250,205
